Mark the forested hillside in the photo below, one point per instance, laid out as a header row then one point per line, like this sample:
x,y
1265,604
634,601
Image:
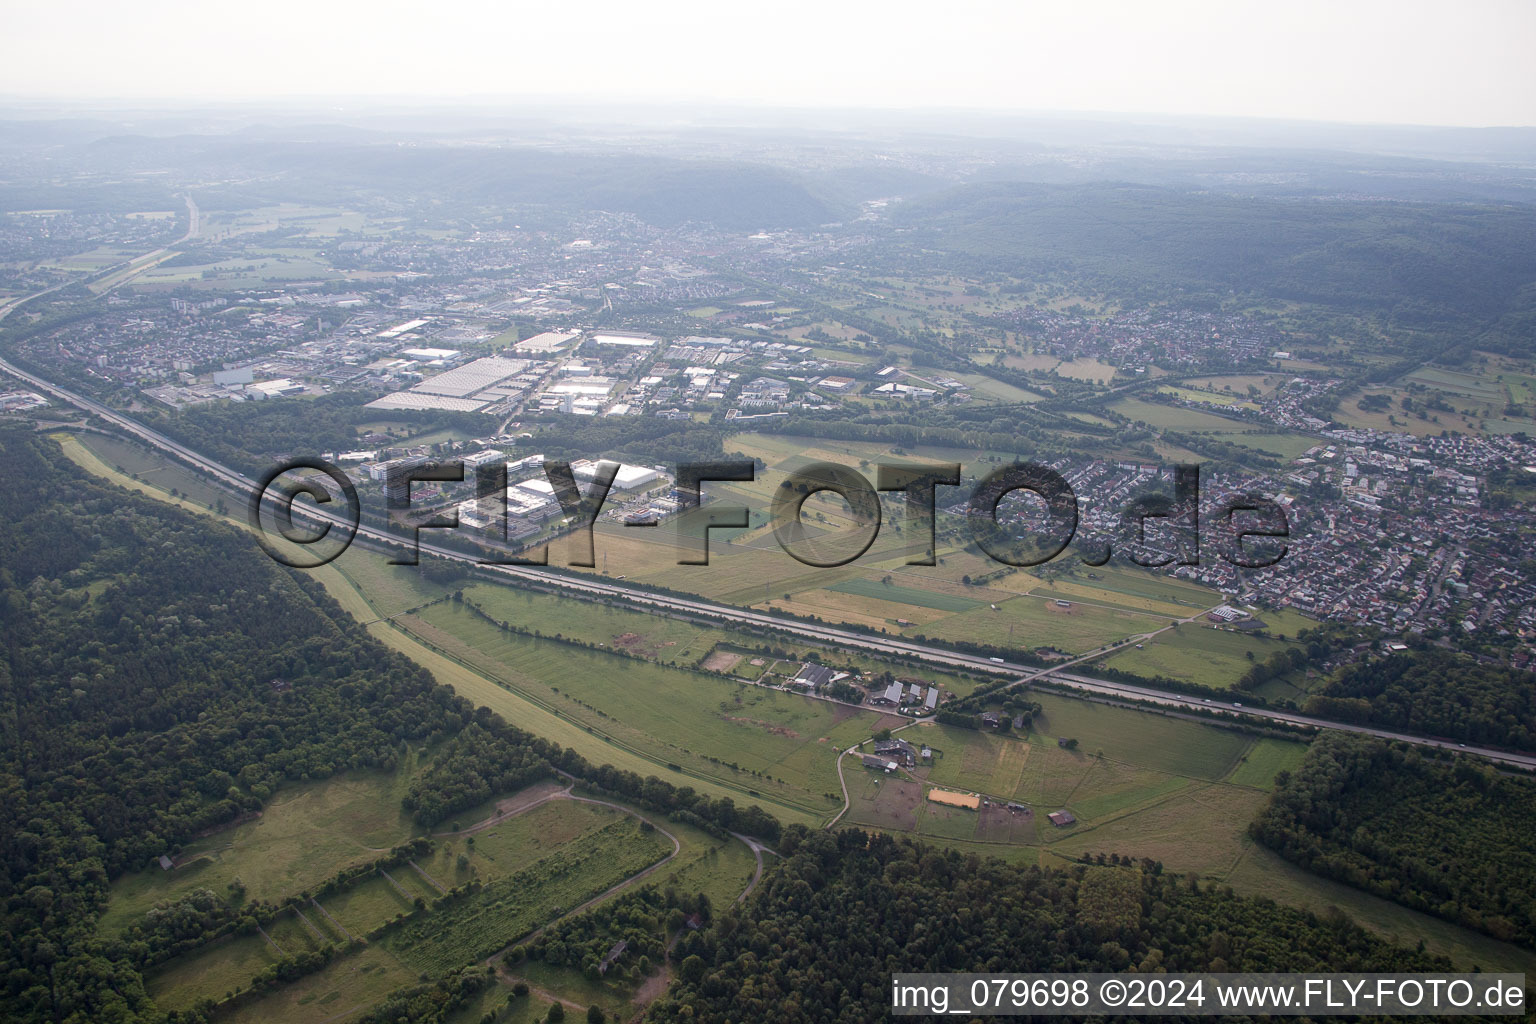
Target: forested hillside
x,y
820,938
1428,266
1449,839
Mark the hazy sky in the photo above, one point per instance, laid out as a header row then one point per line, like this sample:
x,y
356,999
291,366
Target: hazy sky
x,y
1407,61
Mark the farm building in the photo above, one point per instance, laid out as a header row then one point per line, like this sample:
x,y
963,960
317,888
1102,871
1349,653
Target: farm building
x,y
891,695
898,749
878,763
1061,819
813,676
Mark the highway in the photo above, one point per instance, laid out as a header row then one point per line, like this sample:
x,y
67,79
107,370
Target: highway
x,y
817,632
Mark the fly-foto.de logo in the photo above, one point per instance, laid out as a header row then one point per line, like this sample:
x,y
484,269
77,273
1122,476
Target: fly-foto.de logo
x,y
1019,514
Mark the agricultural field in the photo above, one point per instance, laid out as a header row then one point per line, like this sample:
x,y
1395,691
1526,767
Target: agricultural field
x,y
482,681
508,846
389,589
1095,370
1172,417
898,594
1032,362
1198,653
149,467
1392,419
1479,394
721,869
1282,445
245,271
1028,621
1237,384
1192,394
1130,586
314,221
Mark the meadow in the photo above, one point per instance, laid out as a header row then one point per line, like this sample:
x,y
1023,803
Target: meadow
x,y
1029,621
1129,776
1197,653
212,973
340,990
476,926
734,733
1173,417
305,834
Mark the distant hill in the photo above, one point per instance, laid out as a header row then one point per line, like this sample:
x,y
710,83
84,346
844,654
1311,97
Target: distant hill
x,y
1436,265
663,191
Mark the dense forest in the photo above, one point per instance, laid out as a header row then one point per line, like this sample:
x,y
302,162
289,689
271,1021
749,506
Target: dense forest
x,y
820,937
1436,692
1449,839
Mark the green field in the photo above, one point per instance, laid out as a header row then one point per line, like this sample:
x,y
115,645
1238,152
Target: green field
x,y
1173,417
1027,622
225,965
1197,653
1264,760
476,926
564,851
1286,446
513,844
904,595
305,834
672,716
667,640
340,990
363,906
1133,777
